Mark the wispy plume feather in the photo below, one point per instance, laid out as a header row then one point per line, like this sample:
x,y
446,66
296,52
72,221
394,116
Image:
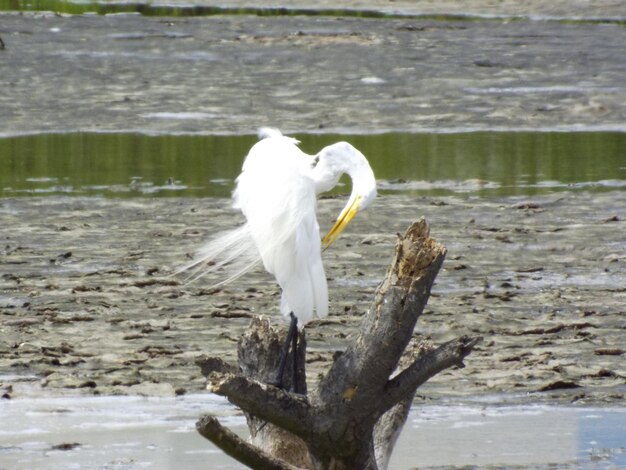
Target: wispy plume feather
x,y
232,252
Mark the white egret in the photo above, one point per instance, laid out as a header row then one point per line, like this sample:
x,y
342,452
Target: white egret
x,y
276,192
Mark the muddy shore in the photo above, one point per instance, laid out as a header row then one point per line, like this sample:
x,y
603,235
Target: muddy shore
x,y
87,306
85,302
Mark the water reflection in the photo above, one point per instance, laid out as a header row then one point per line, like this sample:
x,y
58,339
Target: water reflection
x,y
481,163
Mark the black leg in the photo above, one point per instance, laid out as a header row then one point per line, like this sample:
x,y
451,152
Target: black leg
x,y
293,327
294,350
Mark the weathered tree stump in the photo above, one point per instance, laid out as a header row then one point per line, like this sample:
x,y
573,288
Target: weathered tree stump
x,y
352,419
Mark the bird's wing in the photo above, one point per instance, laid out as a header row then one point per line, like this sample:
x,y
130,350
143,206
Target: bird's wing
x,y
300,273
277,196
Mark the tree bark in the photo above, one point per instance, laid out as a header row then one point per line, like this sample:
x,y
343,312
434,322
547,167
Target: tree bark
x,y
352,419
248,454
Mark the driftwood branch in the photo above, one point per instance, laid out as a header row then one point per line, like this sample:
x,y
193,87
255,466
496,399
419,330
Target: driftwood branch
x,y
210,428
354,416
387,329
288,411
426,366
388,429
390,424
215,364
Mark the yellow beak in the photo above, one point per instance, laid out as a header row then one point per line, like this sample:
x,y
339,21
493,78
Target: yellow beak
x,y
343,220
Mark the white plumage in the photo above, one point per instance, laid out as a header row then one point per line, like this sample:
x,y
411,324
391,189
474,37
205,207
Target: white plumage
x,y
276,191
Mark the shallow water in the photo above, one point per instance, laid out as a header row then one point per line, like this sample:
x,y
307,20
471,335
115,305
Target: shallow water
x,y
482,163
176,9
110,432
158,433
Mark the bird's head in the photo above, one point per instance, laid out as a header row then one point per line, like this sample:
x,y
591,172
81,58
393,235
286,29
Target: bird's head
x,y
335,160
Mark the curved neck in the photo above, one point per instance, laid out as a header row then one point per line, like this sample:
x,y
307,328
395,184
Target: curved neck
x,y
325,178
342,158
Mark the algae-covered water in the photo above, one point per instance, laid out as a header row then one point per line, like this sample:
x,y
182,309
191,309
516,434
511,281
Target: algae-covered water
x,y
484,163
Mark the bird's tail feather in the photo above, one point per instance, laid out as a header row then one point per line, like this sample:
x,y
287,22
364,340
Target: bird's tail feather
x,y
232,251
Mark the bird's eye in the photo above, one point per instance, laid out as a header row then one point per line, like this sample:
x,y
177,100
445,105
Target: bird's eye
x,y
316,160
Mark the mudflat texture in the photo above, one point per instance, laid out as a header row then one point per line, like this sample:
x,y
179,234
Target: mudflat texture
x,y
91,308
87,304
233,73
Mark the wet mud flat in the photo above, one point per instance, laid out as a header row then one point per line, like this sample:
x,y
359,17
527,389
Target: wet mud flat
x,y
88,306
230,74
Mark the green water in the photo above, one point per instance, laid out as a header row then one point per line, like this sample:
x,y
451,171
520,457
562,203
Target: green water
x,y
479,163
148,8
144,7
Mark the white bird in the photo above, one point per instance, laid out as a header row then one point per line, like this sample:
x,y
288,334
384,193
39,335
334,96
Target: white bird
x,y
276,192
